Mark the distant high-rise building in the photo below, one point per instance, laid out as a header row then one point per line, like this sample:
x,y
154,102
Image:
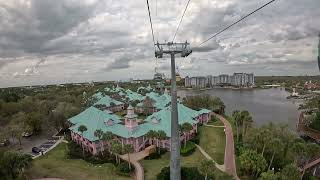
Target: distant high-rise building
x,y
237,79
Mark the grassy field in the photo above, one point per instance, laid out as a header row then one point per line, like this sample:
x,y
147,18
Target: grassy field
x,y
216,123
213,141
54,164
153,167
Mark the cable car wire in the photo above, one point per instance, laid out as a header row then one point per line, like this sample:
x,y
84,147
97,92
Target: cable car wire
x,y
151,24
221,31
181,20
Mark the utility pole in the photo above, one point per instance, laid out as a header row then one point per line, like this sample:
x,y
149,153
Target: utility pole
x,y
173,49
319,53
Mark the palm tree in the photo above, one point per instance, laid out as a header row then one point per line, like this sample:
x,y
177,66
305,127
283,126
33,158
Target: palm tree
x,y
237,119
99,134
247,121
147,104
128,148
161,135
276,146
265,137
116,148
107,136
312,150
82,129
186,128
151,135
206,167
298,149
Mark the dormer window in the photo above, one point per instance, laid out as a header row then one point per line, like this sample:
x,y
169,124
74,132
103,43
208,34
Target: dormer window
x,y
108,122
155,121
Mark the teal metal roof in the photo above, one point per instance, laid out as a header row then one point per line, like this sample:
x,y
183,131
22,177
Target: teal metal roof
x,y
161,101
204,111
163,117
133,96
93,119
98,95
107,100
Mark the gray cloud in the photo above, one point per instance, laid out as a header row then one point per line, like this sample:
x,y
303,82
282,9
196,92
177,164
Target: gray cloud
x,y
120,63
79,37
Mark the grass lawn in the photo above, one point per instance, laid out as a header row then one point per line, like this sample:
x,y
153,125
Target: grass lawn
x,y
213,141
153,167
55,164
216,123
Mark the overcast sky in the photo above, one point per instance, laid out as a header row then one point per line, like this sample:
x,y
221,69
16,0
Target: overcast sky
x,y
49,42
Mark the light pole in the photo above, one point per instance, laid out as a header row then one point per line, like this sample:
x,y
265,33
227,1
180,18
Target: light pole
x,y
173,49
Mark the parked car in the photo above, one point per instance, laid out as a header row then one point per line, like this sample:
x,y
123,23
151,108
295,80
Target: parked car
x,y
26,134
36,150
4,142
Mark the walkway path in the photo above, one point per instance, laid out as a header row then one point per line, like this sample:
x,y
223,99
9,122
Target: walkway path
x,y
134,159
229,156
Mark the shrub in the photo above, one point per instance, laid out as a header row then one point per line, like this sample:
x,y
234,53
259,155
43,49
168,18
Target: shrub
x,y
196,138
155,155
75,152
187,173
188,149
213,119
123,169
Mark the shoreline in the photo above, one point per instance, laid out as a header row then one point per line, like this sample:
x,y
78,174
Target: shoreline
x,y
227,87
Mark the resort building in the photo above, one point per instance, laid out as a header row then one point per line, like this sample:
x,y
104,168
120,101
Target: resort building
x,y
109,104
237,80
131,128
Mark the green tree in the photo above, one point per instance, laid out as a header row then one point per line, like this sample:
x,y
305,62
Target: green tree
x,y
128,148
236,115
151,135
34,122
312,150
206,167
108,136
298,150
58,120
116,149
186,128
99,134
161,135
252,163
205,101
82,129
269,175
289,172
12,164
275,146
16,131
246,122
147,104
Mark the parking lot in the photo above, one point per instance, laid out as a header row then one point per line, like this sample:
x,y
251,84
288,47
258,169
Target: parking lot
x,y
44,146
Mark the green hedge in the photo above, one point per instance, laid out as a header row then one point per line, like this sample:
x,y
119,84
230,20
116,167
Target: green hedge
x,y
188,149
196,138
75,152
156,155
187,173
123,169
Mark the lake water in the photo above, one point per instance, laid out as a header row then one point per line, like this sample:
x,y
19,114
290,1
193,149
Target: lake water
x,y
265,105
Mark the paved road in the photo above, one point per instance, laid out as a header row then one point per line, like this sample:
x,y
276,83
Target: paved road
x,y
229,156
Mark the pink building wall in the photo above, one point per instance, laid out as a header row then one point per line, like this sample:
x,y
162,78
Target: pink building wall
x,y
137,143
